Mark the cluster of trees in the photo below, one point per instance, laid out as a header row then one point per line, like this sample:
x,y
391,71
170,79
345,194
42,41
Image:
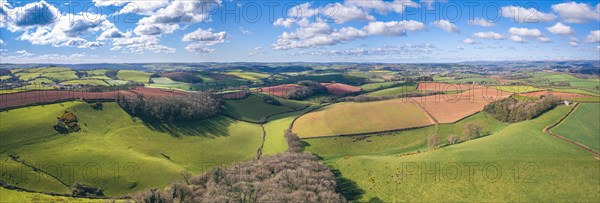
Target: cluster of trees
x,y
184,77
191,106
560,84
306,89
81,74
293,176
80,190
417,79
67,123
112,74
471,131
364,98
512,110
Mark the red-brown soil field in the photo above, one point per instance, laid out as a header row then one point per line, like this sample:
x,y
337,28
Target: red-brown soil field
x,y
340,89
279,90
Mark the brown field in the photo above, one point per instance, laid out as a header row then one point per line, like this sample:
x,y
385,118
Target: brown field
x,y
43,97
279,90
562,95
449,108
438,86
235,95
340,89
361,117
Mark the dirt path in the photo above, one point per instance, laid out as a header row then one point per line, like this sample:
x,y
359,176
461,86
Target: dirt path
x,y
259,151
547,131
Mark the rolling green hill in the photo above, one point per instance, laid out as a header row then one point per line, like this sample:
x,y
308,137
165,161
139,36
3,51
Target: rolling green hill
x,y
582,126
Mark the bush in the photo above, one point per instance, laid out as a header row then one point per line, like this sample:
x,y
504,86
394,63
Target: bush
x,y
80,190
452,139
191,106
473,130
433,141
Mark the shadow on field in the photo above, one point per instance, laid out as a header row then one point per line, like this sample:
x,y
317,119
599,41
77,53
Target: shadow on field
x,y
347,187
210,128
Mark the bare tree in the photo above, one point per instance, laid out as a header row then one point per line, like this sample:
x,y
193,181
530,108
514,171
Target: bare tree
x,y
433,141
452,139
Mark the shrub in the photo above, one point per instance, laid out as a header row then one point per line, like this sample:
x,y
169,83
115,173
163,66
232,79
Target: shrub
x,y
433,141
452,139
473,130
80,190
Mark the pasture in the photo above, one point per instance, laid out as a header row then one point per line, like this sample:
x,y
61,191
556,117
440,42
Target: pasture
x,y
394,90
582,126
352,118
526,163
134,75
254,108
116,152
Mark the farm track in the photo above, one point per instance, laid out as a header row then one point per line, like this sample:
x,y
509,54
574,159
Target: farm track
x,y
548,128
259,151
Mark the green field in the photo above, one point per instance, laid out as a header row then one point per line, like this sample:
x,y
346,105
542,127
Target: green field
x,y
7,195
582,126
533,165
86,82
114,151
517,88
381,85
394,91
61,76
134,75
254,109
351,118
248,75
164,82
396,142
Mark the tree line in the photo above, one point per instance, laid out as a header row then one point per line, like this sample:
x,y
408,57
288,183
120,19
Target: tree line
x,y
364,98
512,110
190,106
293,176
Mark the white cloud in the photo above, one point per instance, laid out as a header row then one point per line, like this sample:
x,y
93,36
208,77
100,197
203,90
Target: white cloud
x,y
469,41
573,12
523,15
543,39
573,44
100,3
23,53
446,26
560,29
167,19
481,22
113,33
68,31
593,37
1,42
199,48
319,33
488,35
203,38
333,12
393,28
29,16
516,38
383,7
244,30
143,7
256,51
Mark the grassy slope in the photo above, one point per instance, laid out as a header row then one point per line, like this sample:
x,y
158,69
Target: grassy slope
x,y
164,82
548,169
7,195
393,91
134,75
86,82
118,153
582,126
252,108
517,88
354,117
374,86
397,142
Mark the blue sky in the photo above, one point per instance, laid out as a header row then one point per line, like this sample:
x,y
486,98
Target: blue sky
x,y
107,31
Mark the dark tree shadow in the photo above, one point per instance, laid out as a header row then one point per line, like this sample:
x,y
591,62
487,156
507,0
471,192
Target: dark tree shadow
x,y
347,187
213,127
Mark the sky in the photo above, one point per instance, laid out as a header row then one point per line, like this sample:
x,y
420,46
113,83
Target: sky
x,y
390,31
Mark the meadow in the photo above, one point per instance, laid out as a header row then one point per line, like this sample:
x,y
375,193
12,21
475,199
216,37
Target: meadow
x,y
582,126
134,75
116,152
520,160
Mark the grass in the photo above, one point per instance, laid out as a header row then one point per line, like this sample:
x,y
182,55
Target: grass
x,y
7,195
577,91
164,82
396,142
86,82
26,76
517,88
134,75
582,126
351,118
375,86
254,109
394,91
119,153
518,163
248,75
61,76
275,141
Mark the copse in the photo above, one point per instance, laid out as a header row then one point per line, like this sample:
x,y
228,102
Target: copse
x,y
190,106
306,89
512,110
